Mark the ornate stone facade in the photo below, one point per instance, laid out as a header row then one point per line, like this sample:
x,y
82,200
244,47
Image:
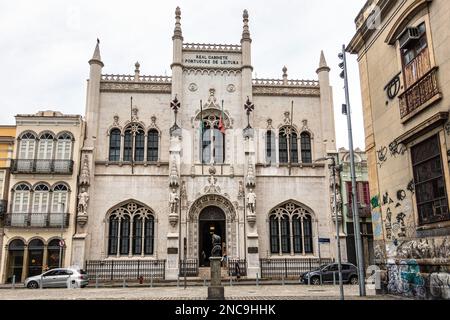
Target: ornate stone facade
x,y
206,166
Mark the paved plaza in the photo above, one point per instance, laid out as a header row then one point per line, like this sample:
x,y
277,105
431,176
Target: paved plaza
x,y
247,292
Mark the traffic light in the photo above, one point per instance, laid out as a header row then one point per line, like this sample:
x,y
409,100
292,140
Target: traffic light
x,y
342,65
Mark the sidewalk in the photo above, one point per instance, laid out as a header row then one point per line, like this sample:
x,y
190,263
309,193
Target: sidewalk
x,y
248,292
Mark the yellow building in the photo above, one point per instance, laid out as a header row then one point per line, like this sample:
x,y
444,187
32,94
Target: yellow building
x,y
403,52
7,135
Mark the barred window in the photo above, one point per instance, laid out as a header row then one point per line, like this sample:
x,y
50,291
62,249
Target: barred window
x,y
431,194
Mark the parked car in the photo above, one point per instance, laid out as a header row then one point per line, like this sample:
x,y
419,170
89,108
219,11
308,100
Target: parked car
x,y
58,278
349,274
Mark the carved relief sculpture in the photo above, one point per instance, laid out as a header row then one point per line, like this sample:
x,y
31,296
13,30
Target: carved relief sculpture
x,y
83,200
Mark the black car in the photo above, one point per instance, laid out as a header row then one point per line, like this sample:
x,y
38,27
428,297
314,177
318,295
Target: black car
x,y
349,274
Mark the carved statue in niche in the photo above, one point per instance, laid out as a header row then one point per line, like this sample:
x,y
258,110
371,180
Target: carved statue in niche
x,y
251,201
84,176
83,200
173,201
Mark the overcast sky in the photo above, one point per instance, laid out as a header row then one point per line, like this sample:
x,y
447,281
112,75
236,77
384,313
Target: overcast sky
x,y
45,45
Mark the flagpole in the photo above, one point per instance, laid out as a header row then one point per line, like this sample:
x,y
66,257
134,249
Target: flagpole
x,y
290,137
201,132
132,140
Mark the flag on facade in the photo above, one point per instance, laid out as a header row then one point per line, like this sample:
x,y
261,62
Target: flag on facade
x,y
221,124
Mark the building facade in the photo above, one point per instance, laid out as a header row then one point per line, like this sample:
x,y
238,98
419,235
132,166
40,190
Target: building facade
x,y
7,136
42,197
167,161
403,52
363,200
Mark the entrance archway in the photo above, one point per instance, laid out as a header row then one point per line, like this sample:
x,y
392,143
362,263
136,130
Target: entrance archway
x,y
211,220
35,257
16,254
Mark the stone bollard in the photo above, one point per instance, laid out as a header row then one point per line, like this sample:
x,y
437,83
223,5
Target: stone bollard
x,y
14,282
334,278
282,280
96,281
124,283
151,281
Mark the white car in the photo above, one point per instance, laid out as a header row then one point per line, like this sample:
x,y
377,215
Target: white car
x,y
59,278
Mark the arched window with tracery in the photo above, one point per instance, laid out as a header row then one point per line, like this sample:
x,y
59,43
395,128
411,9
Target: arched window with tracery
x,y
290,227
114,145
288,137
131,231
305,140
212,140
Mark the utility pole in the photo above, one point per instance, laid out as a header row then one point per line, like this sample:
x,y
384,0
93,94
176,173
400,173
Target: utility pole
x,y
356,224
338,240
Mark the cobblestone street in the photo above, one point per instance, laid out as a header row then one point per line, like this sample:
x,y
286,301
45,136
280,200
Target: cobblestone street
x,y
272,292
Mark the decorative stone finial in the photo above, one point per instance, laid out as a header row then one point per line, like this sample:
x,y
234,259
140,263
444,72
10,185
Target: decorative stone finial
x,y
284,71
177,34
136,71
323,66
137,65
285,76
96,57
245,31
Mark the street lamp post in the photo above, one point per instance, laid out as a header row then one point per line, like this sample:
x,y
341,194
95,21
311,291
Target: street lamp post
x,y
356,225
338,240
61,243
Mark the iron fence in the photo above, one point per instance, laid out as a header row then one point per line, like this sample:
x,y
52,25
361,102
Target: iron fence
x,y
289,268
242,263
189,268
110,270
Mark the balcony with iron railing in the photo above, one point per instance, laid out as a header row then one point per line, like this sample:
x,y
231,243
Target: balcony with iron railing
x,y
42,166
363,209
421,84
37,220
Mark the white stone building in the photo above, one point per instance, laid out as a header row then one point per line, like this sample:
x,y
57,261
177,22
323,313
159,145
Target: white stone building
x,y
157,189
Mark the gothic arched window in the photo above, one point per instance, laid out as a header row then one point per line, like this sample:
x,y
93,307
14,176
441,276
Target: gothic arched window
x,y
152,145
114,145
305,139
212,141
128,146
134,143
287,137
290,228
139,146
131,230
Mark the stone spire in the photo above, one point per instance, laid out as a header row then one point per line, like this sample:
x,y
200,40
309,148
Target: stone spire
x,y
245,31
96,58
177,33
323,66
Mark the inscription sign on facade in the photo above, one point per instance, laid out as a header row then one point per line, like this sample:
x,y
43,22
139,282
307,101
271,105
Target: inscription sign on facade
x,y
212,60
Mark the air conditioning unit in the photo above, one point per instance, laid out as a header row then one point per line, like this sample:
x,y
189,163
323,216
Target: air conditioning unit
x,y
410,34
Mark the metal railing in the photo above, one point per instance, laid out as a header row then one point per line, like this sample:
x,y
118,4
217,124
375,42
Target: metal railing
x,y
289,268
422,91
232,267
190,266
42,166
37,220
110,270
